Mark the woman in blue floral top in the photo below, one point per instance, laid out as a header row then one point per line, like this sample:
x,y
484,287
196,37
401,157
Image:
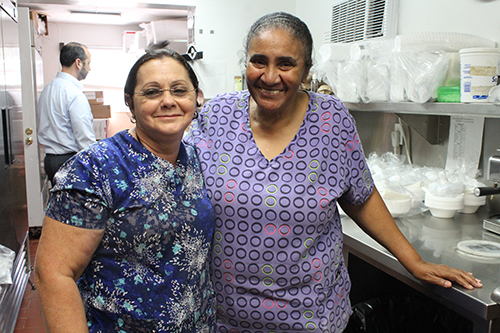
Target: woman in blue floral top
x,y
127,233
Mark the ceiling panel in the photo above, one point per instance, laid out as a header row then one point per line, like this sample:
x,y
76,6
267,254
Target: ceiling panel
x,y
110,12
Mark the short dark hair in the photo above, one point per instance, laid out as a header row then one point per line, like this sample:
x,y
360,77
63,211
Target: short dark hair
x,y
288,22
157,54
72,51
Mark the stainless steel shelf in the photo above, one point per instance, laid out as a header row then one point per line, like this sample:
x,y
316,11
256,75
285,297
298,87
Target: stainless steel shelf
x,y
441,109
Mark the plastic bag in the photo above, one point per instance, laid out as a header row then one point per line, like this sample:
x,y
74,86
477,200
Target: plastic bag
x,y
441,183
7,257
494,95
423,73
397,183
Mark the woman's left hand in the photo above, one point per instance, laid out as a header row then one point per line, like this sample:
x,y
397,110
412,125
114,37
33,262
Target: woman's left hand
x,y
443,275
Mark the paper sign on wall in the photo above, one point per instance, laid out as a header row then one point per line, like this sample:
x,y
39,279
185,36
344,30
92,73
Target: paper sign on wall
x,y
464,145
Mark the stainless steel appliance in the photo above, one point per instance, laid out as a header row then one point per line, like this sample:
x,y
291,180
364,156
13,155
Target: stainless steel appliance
x,y
13,204
491,223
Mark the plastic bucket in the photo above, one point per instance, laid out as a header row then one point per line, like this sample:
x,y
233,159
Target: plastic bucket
x,y
479,69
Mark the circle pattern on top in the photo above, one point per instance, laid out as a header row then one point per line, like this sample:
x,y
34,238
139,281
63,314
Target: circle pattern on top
x,y
277,253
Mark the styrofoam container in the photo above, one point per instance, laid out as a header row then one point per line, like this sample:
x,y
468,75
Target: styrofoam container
x,y
417,191
479,69
472,203
397,203
444,207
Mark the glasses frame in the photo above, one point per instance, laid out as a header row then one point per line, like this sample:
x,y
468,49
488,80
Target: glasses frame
x,y
142,93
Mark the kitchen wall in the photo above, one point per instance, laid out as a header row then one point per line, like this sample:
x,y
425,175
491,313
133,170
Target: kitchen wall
x,y
229,20
477,17
93,35
101,37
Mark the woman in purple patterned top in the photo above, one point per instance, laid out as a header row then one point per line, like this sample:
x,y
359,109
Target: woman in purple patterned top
x,y
276,161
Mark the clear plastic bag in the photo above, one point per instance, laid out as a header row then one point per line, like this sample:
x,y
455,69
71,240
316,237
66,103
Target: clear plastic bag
x,y
7,257
394,181
406,68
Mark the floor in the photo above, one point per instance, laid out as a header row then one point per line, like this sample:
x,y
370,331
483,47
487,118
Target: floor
x,y
30,318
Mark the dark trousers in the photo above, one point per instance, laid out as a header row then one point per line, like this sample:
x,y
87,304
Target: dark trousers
x,y
53,162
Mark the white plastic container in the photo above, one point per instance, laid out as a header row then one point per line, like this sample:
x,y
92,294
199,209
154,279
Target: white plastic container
x,y
444,207
397,203
479,70
472,203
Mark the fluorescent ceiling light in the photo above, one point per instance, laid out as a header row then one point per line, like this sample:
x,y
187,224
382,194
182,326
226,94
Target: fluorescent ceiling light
x,y
81,12
96,17
107,3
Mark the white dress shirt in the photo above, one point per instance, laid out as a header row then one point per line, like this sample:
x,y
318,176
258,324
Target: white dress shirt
x,y
65,118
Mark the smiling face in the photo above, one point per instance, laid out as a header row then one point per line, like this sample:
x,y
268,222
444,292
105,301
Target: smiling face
x,y
275,69
165,117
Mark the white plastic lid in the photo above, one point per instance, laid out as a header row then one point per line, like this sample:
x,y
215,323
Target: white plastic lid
x,y
482,248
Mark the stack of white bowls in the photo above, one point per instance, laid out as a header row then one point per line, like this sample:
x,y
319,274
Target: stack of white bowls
x,y
444,207
471,202
397,203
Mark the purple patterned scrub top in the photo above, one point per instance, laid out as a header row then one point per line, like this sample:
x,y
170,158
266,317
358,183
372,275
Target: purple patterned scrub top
x,y
277,263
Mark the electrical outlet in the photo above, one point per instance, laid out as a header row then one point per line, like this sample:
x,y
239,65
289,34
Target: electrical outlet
x,y
399,128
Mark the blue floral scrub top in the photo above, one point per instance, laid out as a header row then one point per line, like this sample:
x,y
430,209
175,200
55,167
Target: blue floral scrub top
x,y
150,271
277,262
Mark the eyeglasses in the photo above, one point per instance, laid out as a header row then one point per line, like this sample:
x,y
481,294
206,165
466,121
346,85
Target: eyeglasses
x,y
156,93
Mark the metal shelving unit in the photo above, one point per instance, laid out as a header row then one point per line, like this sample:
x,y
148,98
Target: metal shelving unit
x,y
440,109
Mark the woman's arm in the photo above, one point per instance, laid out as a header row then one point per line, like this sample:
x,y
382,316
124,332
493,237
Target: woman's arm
x,y
63,253
373,217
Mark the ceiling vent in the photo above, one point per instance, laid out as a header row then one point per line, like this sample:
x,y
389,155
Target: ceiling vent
x,y
356,20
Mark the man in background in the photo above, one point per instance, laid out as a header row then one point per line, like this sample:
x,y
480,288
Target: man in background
x,y
65,116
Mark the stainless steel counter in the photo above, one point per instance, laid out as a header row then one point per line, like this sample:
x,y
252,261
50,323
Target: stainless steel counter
x,y
435,240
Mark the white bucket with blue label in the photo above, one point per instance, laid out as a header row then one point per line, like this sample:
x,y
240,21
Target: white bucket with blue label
x,y
479,70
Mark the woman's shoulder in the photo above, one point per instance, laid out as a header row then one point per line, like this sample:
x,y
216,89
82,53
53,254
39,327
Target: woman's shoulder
x,y
229,97
330,108
318,97
102,160
327,102
106,149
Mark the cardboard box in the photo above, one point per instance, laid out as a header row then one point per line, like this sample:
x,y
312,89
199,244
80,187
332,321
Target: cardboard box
x,y
100,111
101,128
95,97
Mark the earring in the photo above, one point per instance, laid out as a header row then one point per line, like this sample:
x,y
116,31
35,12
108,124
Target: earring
x,y
195,114
132,119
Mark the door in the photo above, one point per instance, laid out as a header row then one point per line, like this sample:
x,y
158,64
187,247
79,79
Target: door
x,y
32,83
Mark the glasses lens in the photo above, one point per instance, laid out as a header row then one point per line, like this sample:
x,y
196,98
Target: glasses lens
x,y
179,91
152,93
